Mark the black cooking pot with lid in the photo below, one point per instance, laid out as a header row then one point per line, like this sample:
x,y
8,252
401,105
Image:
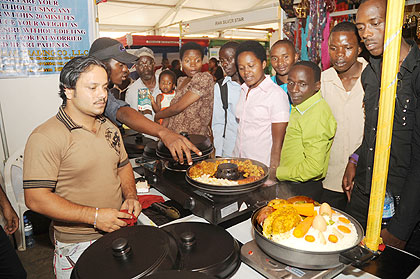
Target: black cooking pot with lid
x,y
203,143
136,252
205,248
126,253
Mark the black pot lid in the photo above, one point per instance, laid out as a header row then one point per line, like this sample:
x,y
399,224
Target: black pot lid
x,y
205,248
148,249
179,274
150,149
203,143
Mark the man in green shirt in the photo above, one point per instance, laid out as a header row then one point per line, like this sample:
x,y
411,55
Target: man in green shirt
x,y
309,135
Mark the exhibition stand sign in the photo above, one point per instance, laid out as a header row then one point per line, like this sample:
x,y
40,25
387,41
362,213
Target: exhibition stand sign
x,y
38,37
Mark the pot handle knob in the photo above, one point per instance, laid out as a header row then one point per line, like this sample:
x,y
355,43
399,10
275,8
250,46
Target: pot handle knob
x,y
120,248
188,240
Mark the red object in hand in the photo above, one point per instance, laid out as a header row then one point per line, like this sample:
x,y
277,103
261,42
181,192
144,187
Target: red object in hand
x,y
130,222
147,200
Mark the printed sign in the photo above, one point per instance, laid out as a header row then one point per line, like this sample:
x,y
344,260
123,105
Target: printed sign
x,y
40,36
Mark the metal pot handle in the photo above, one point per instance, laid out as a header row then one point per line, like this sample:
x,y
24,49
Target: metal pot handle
x,y
356,256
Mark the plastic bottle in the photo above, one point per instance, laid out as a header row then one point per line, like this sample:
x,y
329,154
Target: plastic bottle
x,y
29,235
389,209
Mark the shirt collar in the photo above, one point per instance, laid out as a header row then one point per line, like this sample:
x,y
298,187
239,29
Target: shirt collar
x,y
265,85
332,76
307,104
69,123
413,57
410,62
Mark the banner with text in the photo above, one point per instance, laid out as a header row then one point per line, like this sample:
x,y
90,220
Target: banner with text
x,y
261,15
39,36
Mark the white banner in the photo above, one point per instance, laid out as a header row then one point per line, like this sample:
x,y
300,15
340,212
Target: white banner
x,y
251,17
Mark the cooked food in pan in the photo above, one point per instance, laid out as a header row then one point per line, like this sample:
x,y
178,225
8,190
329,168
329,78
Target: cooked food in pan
x,y
234,172
302,225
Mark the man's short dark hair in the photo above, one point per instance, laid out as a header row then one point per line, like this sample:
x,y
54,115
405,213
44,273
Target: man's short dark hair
x,y
254,47
284,42
314,67
191,46
230,44
169,73
72,70
346,26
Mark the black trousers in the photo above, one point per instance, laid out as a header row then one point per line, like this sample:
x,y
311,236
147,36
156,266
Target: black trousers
x,y
358,207
335,199
10,265
312,189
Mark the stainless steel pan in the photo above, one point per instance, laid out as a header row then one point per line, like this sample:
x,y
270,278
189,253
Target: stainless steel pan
x,y
309,259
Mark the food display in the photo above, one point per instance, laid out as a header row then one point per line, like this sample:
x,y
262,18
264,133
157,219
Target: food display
x,y
205,172
306,225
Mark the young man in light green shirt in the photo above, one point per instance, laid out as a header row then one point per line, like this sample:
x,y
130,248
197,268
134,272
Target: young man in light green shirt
x,y
309,135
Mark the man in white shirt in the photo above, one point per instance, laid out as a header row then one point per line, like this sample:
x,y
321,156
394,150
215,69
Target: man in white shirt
x,y
145,87
224,123
342,89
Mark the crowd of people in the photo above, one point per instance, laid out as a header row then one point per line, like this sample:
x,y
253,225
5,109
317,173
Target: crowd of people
x,y
315,130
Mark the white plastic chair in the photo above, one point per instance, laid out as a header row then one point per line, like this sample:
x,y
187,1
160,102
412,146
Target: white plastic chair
x,y
13,179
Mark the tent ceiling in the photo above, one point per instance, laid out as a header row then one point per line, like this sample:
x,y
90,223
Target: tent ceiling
x,y
158,16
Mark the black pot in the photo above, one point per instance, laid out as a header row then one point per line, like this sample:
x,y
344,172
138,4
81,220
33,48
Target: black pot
x,y
205,248
203,143
149,151
148,250
136,252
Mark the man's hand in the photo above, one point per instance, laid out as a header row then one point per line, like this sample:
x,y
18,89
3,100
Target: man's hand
x,y
178,145
391,240
12,220
109,219
271,177
348,179
132,205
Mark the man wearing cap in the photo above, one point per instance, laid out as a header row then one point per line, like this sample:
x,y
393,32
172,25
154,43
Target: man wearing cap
x,y
138,93
107,49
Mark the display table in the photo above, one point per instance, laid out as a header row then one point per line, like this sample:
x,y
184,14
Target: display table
x,y
392,263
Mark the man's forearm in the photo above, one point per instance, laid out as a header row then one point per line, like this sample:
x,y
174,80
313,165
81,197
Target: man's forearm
x,y
45,202
128,185
138,122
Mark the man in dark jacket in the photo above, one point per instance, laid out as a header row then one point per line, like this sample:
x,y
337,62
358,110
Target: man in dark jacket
x,y
370,21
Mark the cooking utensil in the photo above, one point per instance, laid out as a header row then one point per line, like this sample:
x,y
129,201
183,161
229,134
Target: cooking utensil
x,y
310,259
127,253
205,248
228,189
203,143
168,211
135,252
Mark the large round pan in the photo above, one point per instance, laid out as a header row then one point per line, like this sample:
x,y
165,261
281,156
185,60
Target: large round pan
x,y
228,189
307,259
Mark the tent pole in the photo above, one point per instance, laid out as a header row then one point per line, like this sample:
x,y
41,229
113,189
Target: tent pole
x,y
390,68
